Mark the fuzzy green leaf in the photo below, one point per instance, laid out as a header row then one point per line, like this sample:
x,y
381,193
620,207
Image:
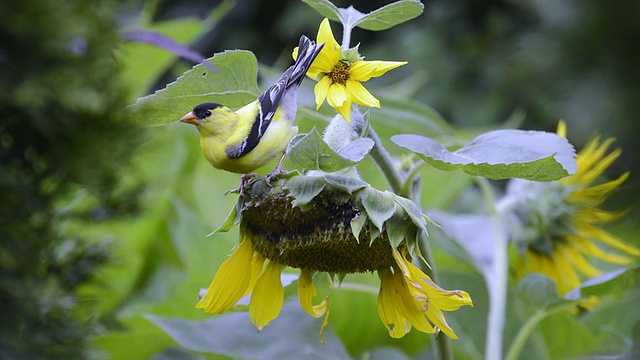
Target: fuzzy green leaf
x,y
305,188
357,224
391,15
379,206
500,154
325,8
357,149
397,228
234,85
345,183
411,209
312,153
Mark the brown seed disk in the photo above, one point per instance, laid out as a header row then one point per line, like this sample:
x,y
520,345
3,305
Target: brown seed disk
x,y
319,238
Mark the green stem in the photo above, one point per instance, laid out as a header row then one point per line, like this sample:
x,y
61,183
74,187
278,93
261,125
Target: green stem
x,y
525,331
497,286
382,157
410,178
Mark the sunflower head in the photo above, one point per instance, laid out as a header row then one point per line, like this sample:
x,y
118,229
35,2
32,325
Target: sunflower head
x,y
334,224
556,224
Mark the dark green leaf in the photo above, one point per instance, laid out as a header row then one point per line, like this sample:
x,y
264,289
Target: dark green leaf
x,y
233,335
412,210
500,154
397,228
234,86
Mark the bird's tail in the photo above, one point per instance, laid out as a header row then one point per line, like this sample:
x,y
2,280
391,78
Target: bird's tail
x,y
308,50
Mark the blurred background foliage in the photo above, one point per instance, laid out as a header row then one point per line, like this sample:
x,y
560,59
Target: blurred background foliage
x,y
103,221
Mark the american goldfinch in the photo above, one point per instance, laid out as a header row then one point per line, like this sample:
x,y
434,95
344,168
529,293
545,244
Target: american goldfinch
x,y
244,140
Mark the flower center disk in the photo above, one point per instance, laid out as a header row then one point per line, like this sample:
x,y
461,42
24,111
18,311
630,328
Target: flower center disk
x,y
340,73
318,238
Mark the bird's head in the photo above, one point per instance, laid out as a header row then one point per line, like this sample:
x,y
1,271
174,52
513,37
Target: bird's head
x,y
200,114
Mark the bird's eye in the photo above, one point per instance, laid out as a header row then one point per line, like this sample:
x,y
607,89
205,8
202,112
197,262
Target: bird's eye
x,y
207,113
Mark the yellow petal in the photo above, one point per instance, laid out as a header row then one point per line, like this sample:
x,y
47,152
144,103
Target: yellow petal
x,y
562,128
231,282
337,95
591,232
330,53
595,195
396,324
294,54
580,262
267,297
365,70
321,89
406,305
306,292
360,95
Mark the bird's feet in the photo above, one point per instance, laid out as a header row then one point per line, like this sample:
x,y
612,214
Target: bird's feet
x,y
244,183
277,171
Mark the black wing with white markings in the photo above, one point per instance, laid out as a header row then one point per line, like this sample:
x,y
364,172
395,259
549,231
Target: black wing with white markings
x,y
269,101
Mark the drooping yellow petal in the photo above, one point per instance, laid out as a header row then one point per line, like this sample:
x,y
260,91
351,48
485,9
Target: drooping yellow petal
x,y
257,262
589,248
267,297
306,292
321,89
231,282
397,325
365,70
360,95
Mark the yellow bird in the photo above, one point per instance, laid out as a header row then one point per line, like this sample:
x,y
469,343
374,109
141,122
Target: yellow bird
x,y
244,140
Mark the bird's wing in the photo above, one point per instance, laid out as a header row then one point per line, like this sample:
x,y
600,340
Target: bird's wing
x,y
270,100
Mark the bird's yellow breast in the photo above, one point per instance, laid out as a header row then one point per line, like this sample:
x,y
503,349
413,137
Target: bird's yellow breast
x,y
273,143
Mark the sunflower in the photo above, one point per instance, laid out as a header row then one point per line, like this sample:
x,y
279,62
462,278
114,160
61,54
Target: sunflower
x,y
341,72
557,222
329,231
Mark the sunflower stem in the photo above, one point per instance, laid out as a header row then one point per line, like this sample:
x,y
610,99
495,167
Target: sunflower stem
x,y
443,349
497,286
382,157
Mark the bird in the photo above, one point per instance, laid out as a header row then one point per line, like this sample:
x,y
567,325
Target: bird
x,y
244,140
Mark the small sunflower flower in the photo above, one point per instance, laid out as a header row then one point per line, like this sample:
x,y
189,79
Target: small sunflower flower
x,y
557,222
341,72
329,231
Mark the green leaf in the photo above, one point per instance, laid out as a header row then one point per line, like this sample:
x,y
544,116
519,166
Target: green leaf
x,y
379,206
397,228
357,224
356,150
305,188
325,8
411,209
391,15
234,86
233,335
383,18
229,222
312,153
500,154
347,184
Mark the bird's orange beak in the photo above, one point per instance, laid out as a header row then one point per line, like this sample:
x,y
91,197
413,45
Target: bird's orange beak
x,y
190,118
